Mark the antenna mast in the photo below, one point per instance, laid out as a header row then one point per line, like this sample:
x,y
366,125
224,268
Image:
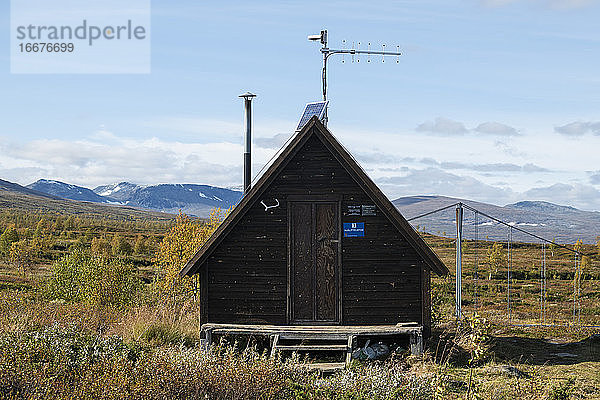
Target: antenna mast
x,y
327,52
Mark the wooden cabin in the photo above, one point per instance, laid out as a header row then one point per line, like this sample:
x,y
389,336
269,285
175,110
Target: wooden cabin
x,y
316,244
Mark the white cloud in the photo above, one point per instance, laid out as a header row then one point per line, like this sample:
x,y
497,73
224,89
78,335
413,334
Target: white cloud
x,y
578,128
487,167
105,159
496,128
434,181
402,162
578,195
274,142
443,126
595,178
509,150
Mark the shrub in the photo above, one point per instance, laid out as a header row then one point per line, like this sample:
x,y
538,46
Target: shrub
x,y
120,246
177,247
8,237
23,253
100,247
49,362
160,334
80,277
140,247
562,391
64,364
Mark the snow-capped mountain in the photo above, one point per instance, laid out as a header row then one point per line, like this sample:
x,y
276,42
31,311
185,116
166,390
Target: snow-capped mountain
x,y
15,187
191,199
565,224
67,191
121,191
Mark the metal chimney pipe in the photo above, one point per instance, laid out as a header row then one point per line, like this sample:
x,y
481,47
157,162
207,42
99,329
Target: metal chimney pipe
x,y
248,141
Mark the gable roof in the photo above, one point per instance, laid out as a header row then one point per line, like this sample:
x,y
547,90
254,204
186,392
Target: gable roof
x,y
316,128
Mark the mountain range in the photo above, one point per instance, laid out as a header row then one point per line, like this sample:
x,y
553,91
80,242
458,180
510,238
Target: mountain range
x,y
564,224
20,198
195,200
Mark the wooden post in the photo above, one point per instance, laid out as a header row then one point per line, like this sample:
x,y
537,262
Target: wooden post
x,y
274,345
351,339
416,343
207,341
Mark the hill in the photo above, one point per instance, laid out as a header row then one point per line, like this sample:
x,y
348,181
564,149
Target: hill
x,y
67,191
191,199
17,197
14,187
552,221
563,223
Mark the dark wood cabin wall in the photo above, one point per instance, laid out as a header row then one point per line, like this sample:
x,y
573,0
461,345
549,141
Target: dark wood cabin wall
x,y
247,273
426,295
381,273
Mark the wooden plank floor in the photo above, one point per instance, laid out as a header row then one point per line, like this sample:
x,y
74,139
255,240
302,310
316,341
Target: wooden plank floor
x,y
318,332
242,329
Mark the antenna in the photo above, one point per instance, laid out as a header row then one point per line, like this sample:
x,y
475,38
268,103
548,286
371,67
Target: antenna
x,y
327,52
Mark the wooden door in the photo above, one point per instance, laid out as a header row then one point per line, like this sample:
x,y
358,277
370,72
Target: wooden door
x,y
314,263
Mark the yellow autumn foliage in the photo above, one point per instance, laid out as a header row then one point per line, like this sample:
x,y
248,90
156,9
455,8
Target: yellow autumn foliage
x,y
179,245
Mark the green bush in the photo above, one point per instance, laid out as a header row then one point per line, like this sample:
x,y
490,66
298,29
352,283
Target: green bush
x,y
81,277
57,363
562,391
8,237
159,334
120,246
65,364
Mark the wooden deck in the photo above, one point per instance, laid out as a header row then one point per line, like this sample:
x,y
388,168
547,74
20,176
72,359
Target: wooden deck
x,y
358,330
340,338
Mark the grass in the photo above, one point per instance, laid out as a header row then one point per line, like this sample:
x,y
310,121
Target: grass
x,y
492,287
150,349
10,200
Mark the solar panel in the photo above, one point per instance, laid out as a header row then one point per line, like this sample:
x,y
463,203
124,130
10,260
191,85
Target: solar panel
x,y
317,108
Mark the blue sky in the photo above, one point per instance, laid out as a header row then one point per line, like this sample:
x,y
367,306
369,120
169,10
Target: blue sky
x,y
492,100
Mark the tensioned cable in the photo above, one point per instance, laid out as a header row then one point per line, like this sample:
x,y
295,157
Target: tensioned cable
x,y
433,212
524,231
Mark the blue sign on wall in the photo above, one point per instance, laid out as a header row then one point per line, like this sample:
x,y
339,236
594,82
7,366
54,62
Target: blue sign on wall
x,y
354,229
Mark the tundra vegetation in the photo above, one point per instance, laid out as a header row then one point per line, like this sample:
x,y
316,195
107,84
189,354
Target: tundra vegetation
x,y
93,307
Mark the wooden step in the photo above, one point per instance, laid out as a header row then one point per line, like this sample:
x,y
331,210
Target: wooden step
x,y
327,367
313,336
313,347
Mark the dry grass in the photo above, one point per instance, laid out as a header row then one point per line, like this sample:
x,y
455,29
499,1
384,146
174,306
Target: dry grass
x,y
152,354
150,349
